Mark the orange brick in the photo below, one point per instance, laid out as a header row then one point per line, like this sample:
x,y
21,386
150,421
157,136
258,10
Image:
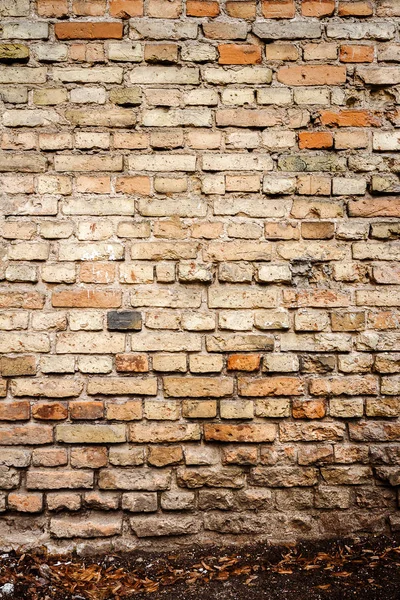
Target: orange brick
x,y
317,8
92,8
241,10
278,9
315,139
239,54
356,54
87,299
312,75
244,362
97,272
202,8
138,184
349,118
355,9
78,30
52,8
125,9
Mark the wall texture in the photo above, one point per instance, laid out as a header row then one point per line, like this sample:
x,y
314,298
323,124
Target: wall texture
x,y
199,270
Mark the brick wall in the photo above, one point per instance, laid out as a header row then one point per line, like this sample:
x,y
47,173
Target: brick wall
x,y
199,270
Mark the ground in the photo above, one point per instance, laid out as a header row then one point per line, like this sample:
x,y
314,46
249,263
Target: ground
x,y
367,569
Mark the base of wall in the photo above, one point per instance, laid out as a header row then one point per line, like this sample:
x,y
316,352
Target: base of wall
x,y
102,532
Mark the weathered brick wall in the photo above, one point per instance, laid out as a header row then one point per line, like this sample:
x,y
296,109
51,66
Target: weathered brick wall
x,y
199,278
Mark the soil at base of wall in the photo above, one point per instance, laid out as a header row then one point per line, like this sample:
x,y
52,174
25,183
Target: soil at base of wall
x,y
367,569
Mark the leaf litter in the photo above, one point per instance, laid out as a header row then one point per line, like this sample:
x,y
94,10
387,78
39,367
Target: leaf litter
x,y
367,568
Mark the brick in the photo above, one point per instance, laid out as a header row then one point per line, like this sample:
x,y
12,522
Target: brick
x,y
88,31
164,433
312,75
356,54
271,30
243,362
239,54
124,9
271,386
320,139
90,434
122,386
252,432
167,526
245,9
52,388
313,8
14,366
124,321
199,409
350,118
355,9
86,527
202,8
86,299
197,387
278,9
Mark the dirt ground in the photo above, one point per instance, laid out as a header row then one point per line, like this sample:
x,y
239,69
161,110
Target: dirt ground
x,y
365,569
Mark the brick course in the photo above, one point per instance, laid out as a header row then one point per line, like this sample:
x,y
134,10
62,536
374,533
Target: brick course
x,y
199,279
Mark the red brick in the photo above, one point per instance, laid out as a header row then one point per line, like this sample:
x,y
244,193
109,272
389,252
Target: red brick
x,y
80,30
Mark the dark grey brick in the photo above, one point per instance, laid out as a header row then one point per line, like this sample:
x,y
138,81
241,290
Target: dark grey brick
x,y
130,320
